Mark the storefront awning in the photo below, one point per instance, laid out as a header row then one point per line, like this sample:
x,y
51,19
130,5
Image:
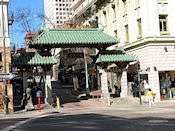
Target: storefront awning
x,y
114,56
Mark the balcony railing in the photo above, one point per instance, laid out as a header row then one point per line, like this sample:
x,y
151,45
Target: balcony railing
x,y
84,7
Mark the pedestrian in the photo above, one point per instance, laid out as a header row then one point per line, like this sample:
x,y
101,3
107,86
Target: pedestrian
x,y
134,89
75,82
150,96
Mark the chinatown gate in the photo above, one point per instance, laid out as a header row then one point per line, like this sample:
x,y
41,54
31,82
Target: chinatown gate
x,y
86,38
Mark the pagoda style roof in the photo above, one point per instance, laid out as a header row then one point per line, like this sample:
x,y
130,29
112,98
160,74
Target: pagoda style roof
x,y
33,59
67,38
114,56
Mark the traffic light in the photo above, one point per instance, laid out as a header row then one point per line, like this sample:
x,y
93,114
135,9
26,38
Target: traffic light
x,y
10,67
138,65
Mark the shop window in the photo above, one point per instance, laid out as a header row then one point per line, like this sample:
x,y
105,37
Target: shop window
x,y
127,33
163,24
139,25
167,84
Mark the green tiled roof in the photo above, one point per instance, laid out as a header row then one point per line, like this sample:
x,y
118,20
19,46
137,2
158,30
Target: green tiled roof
x,y
73,37
114,56
33,58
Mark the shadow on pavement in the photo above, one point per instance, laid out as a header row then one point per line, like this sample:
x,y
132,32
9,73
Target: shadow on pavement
x,y
92,121
8,122
64,92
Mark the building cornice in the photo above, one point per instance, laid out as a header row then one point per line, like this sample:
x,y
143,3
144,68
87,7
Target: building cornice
x,y
147,40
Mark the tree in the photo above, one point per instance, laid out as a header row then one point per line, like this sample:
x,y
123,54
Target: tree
x,y
28,20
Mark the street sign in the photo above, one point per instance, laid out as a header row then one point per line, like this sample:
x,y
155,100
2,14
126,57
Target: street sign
x,y
6,76
38,93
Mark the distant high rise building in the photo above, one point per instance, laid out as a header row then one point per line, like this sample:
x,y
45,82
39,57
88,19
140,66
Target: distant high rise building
x,y
57,12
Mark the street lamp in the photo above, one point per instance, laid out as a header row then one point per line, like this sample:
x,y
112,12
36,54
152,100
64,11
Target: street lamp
x,y
138,69
85,52
4,54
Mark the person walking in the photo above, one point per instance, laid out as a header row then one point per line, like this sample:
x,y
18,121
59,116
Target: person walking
x,y
134,89
75,82
150,96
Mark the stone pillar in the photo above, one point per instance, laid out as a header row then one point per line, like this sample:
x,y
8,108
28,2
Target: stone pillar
x,y
48,89
124,85
153,78
104,81
25,84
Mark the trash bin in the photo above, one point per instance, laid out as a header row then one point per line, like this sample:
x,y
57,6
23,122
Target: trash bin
x,y
162,97
165,96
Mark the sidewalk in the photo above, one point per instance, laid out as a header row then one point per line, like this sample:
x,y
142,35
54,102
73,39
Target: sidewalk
x,y
45,109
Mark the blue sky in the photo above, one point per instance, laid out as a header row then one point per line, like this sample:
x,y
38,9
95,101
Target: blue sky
x,y
36,7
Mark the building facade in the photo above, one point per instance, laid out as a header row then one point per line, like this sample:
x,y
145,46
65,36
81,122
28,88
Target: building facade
x,y
5,42
57,12
145,29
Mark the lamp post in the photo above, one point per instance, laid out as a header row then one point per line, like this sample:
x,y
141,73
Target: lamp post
x,y
85,52
138,69
4,54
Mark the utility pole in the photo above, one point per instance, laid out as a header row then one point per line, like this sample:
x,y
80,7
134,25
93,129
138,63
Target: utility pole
x,y
4,54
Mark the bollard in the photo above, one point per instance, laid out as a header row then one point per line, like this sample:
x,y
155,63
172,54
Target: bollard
x,y
109,100
58,102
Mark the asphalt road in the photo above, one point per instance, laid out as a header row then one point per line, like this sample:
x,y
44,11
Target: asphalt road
x,y
8,122
103,120
83,115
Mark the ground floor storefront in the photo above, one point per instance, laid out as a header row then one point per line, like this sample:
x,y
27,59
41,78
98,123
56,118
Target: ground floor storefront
x,y
157,60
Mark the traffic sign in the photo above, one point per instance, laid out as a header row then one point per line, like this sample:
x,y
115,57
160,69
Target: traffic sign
x,y
6,76
38,93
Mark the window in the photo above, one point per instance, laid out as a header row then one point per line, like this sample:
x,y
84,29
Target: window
x,y
105,19
139,25
127,33
163,23
114,11
124,7
137,3
116,34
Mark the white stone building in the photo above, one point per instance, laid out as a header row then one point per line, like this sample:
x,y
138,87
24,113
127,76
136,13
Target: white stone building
x,y
145,29
57,12
5,42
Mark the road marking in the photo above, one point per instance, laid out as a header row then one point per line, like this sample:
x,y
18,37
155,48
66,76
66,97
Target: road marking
x,y
158,121
21,123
